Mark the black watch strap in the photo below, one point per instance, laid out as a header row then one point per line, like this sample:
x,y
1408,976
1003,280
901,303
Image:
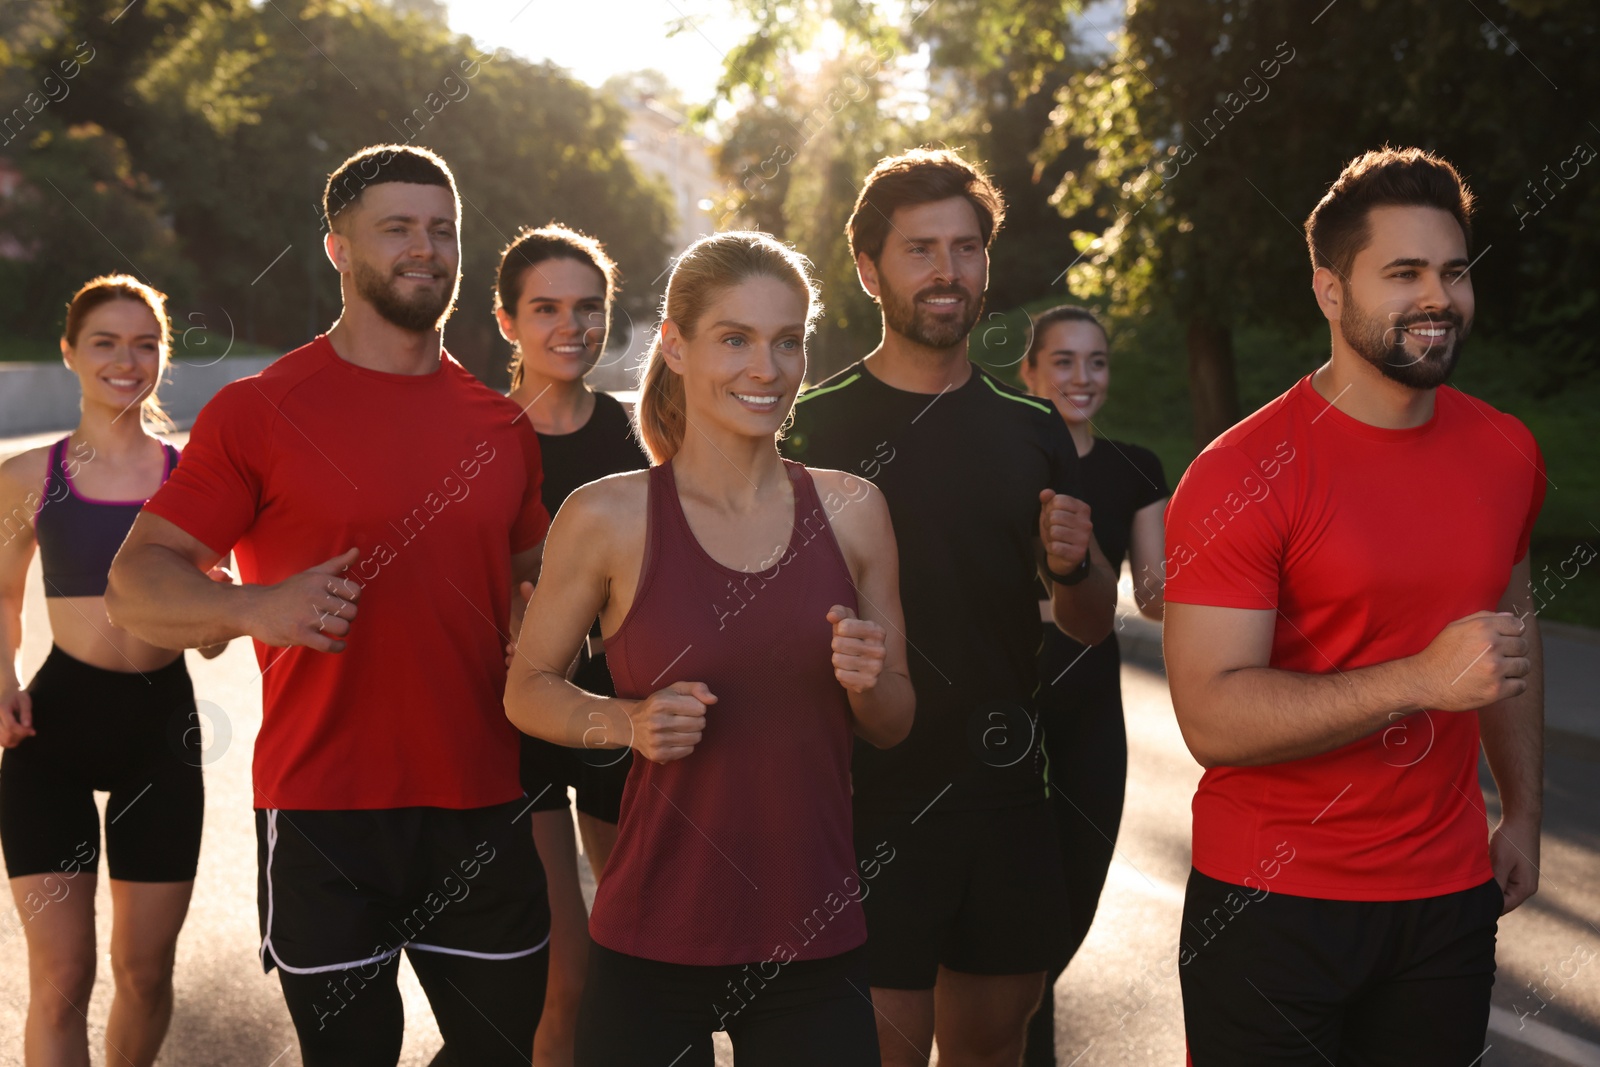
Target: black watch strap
x,y
1077,574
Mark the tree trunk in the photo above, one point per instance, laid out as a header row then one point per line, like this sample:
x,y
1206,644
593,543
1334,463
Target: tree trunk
x,y
1213,387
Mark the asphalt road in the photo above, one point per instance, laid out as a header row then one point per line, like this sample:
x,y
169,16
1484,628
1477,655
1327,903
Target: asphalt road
x,y
1117,1005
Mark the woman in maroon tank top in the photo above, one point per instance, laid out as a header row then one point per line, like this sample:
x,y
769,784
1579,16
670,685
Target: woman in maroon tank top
x,y
752,620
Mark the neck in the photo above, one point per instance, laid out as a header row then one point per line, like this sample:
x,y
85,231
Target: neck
x,y
111,431
916,368
1363,392
1082,436
367,339
554,405
733,472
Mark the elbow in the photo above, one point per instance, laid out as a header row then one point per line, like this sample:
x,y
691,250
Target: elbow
x,y
1153,609
1201,745
118,603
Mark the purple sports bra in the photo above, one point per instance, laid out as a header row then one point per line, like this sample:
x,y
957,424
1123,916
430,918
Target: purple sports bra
x,y
78,537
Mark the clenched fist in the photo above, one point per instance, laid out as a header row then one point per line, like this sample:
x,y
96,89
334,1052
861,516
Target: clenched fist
x,y
313,608
1474,662
1065,529
858,649
668,723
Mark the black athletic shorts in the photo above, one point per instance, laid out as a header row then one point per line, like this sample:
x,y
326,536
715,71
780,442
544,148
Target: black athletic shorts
x,y
342,889
976,891
130,734
804,1013
597,775
1274,979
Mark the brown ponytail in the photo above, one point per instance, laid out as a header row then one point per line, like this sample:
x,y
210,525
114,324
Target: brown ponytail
x,y
706,268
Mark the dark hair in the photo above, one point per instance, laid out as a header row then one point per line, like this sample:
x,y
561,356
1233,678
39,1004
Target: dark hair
x,y
1060,313
531,247
381,163
1336,229
706,268
97,292
920,176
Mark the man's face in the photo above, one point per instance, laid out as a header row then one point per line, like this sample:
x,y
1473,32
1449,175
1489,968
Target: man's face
x,y
1407,305
404,251
932,272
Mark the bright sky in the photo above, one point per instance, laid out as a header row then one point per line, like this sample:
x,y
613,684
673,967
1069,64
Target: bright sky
x,y
595,39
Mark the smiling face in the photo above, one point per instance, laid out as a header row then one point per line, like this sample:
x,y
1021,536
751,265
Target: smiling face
x,y
117,357
932,272
744,361
559,325
1072,369
1407,306
399,244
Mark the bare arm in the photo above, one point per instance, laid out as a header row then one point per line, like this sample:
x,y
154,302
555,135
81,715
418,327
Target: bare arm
x,y
1513,741
869,646
1235,710
1085,611
582,551
1145,551
17,506
160,592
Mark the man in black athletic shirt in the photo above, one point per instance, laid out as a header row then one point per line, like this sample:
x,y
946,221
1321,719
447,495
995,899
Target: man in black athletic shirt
x,y
980,481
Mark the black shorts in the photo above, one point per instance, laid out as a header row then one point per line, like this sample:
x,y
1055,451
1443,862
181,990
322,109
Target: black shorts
x,y
597,775
1274,979
642,1013
975,891
130,734
343,889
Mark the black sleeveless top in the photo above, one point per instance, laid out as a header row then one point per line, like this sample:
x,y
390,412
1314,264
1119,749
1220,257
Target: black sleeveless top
x,y
78,537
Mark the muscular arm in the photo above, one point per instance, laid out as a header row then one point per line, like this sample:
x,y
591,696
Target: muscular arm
x,y
1145,551
883,713
159,591
539,699
1513,741
1235,710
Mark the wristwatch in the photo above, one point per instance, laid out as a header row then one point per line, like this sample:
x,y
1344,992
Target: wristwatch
x,y
1076,575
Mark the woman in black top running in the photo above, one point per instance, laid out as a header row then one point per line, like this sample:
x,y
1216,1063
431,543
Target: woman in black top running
x,y
106,711
1080,687
553,301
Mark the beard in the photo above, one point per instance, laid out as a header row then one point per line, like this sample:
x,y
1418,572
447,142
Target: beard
x,y
1383,344
420,313
915,323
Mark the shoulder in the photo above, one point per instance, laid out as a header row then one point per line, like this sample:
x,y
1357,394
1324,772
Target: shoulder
x,y
612,499
260,395
855,508
1485,415
832,390
24,473
999,391
1135,457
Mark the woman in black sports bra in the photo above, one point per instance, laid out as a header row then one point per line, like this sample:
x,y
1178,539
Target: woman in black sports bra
x,y
106,711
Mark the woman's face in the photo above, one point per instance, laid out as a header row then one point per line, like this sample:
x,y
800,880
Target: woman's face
x,y
1072,370
559,322
746,359
118,355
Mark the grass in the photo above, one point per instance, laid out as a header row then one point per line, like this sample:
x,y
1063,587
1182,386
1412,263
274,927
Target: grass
x,y
1149,405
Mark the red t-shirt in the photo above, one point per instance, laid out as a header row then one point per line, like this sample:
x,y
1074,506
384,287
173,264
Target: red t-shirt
x,y
1367,541
435,478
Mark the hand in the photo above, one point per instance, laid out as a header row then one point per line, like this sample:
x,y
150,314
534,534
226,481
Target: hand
x,y
858,649
668,723
519,611
312,609
1514,855
16,715
1065,529
1474,662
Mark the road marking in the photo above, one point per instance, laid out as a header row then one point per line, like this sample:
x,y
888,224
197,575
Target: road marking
x,y
1544,1038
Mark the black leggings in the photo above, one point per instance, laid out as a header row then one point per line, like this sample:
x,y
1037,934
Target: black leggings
x,y
642,1013
1086,743
487,1010
134,735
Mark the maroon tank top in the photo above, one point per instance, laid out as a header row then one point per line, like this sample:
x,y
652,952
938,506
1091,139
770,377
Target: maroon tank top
x,y
741,852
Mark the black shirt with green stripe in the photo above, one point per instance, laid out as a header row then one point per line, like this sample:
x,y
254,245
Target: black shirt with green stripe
x,y
962,471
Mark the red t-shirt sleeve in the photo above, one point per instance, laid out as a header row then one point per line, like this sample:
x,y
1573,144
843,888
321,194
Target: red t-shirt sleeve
x,y
215,493
533,521
1224,542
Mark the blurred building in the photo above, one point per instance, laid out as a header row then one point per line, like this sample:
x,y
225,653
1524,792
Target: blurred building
x,y
661,143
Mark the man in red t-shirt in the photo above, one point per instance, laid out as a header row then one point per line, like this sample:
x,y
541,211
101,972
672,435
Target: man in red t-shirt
x,y
368,470
1347,615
